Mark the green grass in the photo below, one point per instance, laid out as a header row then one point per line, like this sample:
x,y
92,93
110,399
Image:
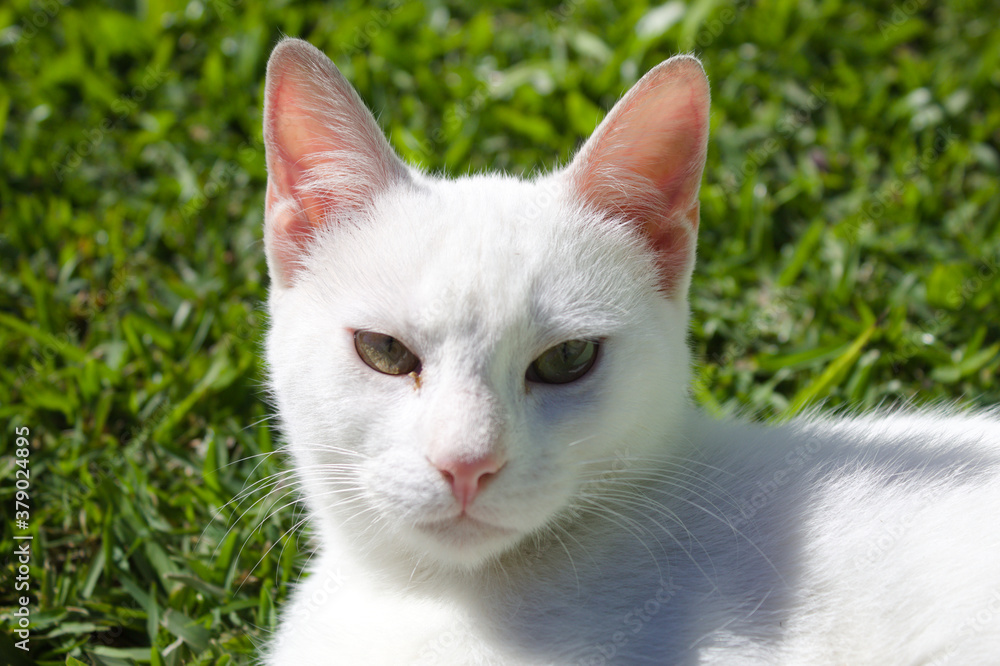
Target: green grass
x,y
850,250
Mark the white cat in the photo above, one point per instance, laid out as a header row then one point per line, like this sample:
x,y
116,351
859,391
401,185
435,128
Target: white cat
x,y
483,386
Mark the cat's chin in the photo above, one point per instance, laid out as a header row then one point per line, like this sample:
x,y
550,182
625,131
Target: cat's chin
x,y
463,541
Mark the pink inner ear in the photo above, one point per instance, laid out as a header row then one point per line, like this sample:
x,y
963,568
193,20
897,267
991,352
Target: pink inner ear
x,y
326,156
644,163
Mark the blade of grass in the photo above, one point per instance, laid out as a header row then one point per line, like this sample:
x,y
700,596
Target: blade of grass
x,y
833,373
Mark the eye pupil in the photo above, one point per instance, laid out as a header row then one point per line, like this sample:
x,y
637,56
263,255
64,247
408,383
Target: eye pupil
x,y
385,353
564,363
571,350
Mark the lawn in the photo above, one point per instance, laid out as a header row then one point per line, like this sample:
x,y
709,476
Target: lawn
x,y
850,253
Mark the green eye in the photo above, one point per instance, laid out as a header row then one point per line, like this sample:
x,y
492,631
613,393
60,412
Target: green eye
x,y
385,353
566,362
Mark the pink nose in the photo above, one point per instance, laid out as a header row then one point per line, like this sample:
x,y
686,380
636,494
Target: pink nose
x,y
467,477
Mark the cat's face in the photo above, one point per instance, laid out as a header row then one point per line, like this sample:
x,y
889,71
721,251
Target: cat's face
x,y
456,363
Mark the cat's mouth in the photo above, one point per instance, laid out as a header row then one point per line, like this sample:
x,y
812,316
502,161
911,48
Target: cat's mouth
x,y
465,528
463,540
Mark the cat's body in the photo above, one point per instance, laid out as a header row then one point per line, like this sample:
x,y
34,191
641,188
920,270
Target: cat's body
x,y
477,507
862,541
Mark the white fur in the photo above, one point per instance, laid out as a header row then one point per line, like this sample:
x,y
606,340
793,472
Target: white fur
x,y
626,527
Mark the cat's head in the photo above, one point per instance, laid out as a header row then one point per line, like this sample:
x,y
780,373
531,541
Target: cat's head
x,y
458,363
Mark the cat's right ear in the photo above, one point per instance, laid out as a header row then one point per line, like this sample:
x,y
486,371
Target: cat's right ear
x,y
327,159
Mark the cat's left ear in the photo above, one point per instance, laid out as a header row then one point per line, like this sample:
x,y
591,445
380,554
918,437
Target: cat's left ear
x,y
327,159
645,160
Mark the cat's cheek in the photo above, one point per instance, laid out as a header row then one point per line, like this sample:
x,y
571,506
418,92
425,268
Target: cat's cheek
x,y
397,475
568,421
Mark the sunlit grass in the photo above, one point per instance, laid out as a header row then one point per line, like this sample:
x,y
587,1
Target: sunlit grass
x,y
850,250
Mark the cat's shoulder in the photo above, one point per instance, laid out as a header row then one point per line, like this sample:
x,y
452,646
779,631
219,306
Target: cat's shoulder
x,y
938,441
941,429
835,460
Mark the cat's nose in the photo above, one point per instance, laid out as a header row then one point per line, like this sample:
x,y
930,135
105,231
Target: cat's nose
x,y
468,477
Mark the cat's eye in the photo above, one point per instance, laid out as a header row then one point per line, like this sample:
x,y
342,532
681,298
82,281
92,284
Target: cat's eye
x,y
564,363
385,353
